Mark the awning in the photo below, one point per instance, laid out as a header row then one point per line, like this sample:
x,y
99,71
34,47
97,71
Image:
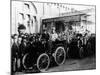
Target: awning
x,y
67,18
64,18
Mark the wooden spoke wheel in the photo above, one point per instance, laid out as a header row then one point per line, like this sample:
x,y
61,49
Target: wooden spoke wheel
x,y
60,55
43,62
27,61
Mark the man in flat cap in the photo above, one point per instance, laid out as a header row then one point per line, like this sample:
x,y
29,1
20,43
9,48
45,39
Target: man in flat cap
x,y
21,29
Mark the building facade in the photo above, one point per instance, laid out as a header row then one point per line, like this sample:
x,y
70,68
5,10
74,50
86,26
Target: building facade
x,y
31,14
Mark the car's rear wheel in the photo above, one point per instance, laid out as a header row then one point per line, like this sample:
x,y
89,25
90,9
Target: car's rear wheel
x,y
27,61
60,55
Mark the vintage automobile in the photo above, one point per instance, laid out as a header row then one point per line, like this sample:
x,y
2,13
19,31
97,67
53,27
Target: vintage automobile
x,y
35,52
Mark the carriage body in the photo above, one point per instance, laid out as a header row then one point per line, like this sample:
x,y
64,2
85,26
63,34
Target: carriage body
x,y
33,50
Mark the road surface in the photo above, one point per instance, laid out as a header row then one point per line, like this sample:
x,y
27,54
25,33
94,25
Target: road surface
x,y
72,64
